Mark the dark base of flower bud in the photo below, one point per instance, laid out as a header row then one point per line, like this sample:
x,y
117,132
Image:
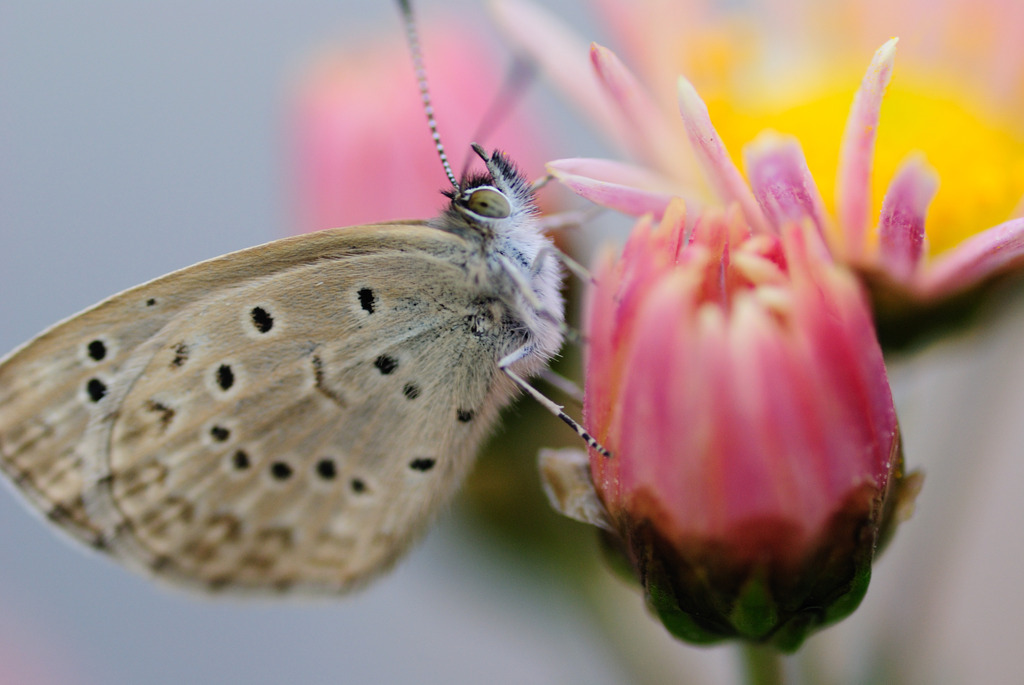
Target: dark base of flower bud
x,y
758,586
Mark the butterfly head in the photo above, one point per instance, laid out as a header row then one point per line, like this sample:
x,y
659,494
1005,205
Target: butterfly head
x,y
493,200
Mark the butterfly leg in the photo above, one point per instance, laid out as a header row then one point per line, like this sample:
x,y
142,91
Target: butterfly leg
x,y
572,335
568,262
541,182
570,218
505,365
562,383
524,286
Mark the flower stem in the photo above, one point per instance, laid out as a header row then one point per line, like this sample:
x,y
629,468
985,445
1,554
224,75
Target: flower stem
x,y
762,665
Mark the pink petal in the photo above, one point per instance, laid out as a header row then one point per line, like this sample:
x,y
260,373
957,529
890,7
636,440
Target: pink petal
x,y
901,225
563,57
853,191
832,315
981,256
781,461
663,416
722,172
782,182
623,187
653,140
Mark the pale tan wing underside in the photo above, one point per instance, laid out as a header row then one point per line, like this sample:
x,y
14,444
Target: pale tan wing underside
x,y
288,416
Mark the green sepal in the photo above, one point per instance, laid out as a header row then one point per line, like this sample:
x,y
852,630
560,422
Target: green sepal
x,y
754,615
848,603
679,623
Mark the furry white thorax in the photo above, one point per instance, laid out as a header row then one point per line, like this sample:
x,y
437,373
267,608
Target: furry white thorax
x,y
512,242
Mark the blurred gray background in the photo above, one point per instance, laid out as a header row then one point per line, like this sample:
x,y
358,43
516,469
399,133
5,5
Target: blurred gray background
x,y
140,137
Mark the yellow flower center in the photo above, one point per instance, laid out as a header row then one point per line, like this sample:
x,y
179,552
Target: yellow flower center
x,y
978,154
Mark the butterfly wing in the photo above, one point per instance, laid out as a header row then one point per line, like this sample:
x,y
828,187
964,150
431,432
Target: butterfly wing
x,y
288,416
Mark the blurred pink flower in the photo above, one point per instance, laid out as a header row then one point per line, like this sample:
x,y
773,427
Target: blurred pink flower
x,y
780,66
736,378
363,152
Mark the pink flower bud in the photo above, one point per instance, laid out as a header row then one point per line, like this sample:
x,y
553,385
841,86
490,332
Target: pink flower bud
x,y
737,379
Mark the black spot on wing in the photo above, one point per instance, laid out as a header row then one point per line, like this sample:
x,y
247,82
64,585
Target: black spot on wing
x,y
411,391
465,415
326,469
281,471
97,350
240,460
225,377
262,319
181,352
385,364
220,433
423,464
96,389
367,300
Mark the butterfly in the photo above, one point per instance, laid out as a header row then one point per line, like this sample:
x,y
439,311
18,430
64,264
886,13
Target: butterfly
x,y
289,417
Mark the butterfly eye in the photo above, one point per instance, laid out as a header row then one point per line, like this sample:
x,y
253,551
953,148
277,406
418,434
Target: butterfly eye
x,y
489,203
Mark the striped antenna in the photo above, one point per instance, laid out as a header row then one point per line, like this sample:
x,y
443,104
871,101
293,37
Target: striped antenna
x,y
421,79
